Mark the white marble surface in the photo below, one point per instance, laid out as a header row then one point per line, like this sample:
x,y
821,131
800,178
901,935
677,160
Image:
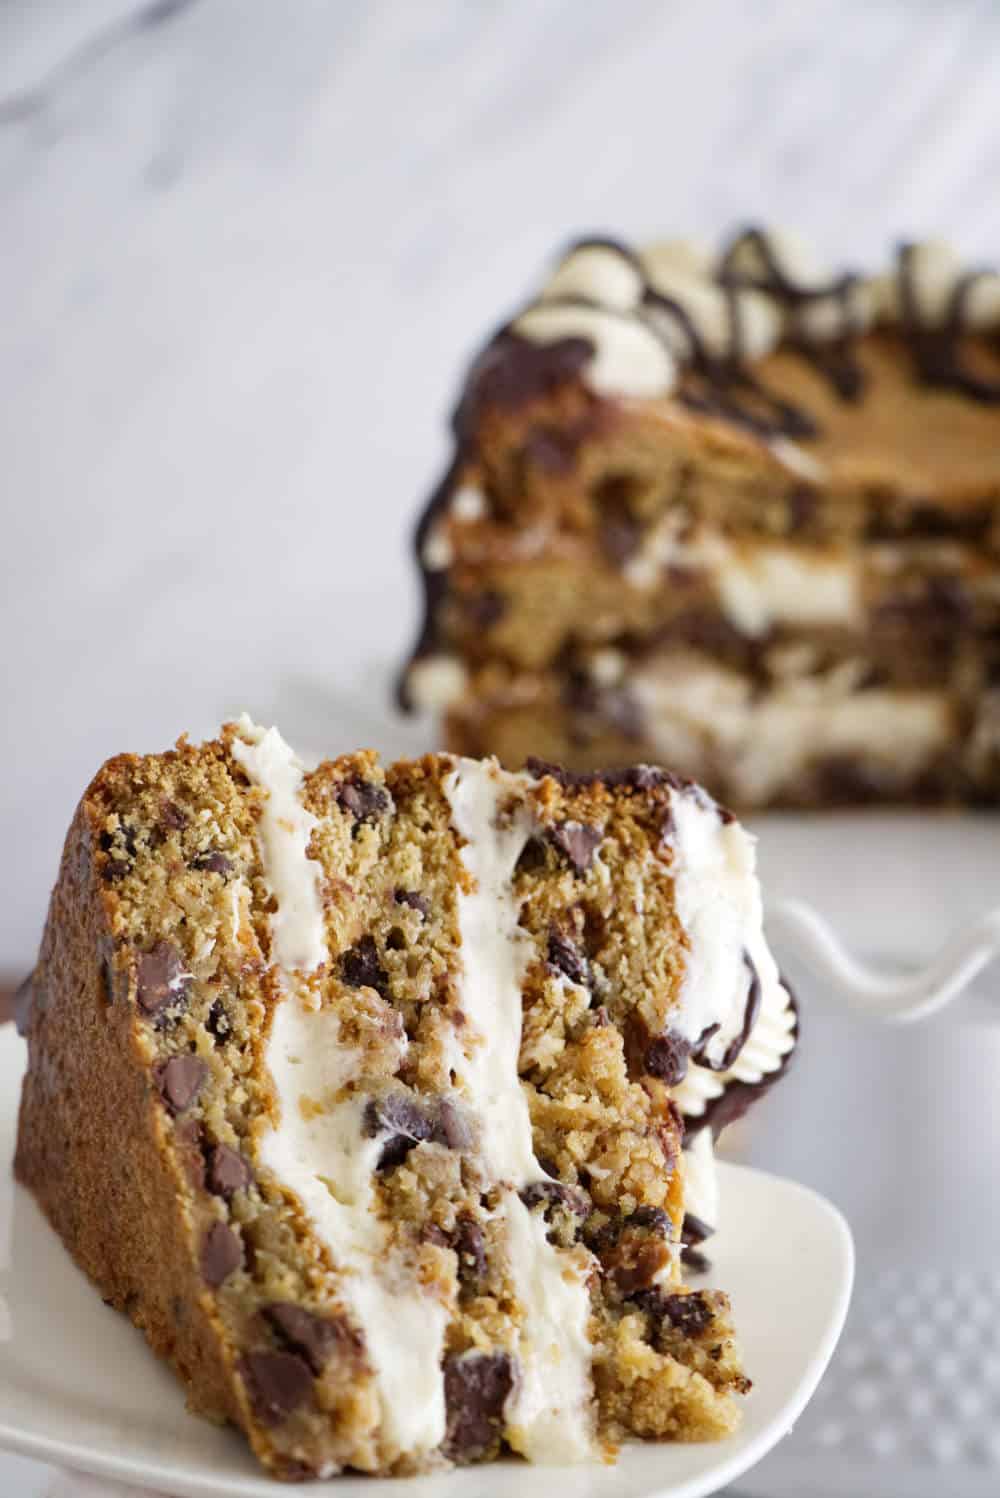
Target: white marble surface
x,y
245,248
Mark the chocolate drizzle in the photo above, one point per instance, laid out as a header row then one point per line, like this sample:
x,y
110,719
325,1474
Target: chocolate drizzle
x,y
836,358
936,346
737,1097
751,1009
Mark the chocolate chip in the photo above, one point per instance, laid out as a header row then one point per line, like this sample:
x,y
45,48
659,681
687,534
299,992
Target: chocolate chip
x,y
663,1056
476,1387
228,1171
653,1218
122,845
180,1080
695,1260
212,862
221,1253
452,1128
551,1194
414,899
637,1262
578,842
24,998
360,967
365,801
470,1246
566,958
667,1058
695,1230
217,1022
312,1337
690,1314
172,817
532,857
278,1383
161,981
409,1121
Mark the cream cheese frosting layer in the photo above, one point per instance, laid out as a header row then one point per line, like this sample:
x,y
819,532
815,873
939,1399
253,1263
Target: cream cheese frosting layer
x,y
719,907
318,1148
548,1413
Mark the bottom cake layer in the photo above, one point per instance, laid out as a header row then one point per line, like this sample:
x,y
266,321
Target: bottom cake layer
x,y
831,737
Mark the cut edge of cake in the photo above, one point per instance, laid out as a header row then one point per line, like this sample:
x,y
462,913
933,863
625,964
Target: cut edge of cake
x,y
289,1025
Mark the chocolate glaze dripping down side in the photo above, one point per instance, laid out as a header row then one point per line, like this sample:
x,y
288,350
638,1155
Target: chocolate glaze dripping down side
x,y
751,1010
935,347
737,1097
835,358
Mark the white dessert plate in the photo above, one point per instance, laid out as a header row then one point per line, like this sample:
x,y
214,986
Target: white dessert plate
x,y
79,1387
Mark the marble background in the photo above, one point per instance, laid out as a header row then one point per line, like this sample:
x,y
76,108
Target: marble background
x,y
245,249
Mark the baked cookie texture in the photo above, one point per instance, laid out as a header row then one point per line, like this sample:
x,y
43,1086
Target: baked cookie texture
x,y
733,513
364,1090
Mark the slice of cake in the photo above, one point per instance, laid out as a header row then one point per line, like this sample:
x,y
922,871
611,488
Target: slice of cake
x,y
734,513
359,1089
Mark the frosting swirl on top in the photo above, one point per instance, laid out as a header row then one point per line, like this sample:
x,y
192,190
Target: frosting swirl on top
x,y
674,307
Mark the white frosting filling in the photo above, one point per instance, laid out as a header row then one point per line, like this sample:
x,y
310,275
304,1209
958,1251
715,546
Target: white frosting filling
x,y
436,682
701,1179
548,1412
318,1148
696,709
628,359
298,933
598,273
768,585
718,904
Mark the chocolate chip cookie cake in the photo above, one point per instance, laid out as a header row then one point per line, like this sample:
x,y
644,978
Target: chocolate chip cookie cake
x,y
733,512
364,1091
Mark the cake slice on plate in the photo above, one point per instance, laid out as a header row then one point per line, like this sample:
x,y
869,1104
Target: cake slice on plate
x,y
734,512
357,1089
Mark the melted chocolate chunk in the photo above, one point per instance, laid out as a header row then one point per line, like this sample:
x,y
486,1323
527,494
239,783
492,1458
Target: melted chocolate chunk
x,y
365,802
565,957
513,370
409,1121
227,1171
24,999
161,981
217,1022
172,817
180,1080
551,450
211,861
663,1056
695,1230
476,1387
278,1382
690,1314
414,899
578,842
312,1337
123,847
221,1254
361,968
654,1219
470,1246
636,777
552,1194
695,1260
